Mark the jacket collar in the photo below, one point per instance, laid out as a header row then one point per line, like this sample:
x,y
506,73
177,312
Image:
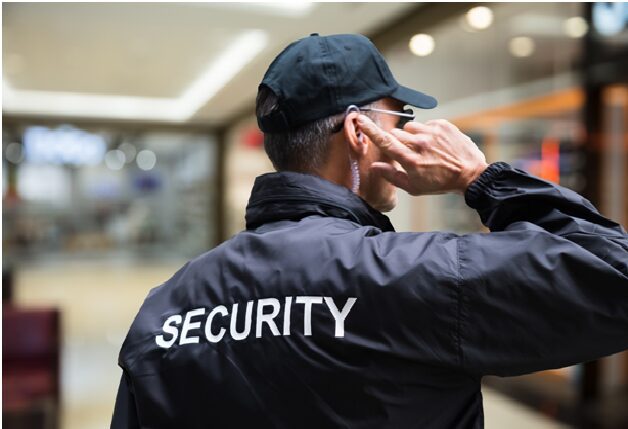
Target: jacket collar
x,y
289,195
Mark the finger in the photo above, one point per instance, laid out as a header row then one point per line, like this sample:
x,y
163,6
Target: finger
x,y
385,141
417,142
418,127
441,123
398,178
401,135
438,122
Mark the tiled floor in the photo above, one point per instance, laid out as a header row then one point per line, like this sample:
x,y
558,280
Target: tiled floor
x,y
99,301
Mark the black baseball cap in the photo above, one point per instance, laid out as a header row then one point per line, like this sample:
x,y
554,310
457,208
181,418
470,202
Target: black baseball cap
x,y
319,76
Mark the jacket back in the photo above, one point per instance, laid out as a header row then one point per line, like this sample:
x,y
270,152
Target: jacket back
x,y
320,315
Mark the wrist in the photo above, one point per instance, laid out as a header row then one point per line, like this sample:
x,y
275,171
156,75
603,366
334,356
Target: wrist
x,y
472,175
477,190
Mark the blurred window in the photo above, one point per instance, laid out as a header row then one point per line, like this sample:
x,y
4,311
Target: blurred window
x,y
70,191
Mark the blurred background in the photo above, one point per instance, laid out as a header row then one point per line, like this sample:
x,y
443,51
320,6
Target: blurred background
x,y
129,145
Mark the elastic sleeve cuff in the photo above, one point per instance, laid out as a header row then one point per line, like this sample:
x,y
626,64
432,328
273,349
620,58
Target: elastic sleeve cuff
x,y
478,188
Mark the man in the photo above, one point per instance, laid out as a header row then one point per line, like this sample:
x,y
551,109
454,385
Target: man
x,y
320,315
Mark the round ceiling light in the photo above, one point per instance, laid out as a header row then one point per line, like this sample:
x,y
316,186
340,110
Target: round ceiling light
x,y
480,17
421,44
575,27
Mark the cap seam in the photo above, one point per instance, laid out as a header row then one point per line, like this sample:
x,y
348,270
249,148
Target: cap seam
x,y
329,68
336,88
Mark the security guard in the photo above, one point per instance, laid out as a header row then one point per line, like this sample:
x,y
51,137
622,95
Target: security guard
x,y
320,315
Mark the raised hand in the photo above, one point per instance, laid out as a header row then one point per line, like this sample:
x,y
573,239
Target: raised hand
x,y
436,156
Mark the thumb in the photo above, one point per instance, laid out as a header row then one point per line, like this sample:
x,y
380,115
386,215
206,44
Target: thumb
x,y
399,178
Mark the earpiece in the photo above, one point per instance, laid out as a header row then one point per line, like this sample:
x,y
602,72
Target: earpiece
x,y
360,137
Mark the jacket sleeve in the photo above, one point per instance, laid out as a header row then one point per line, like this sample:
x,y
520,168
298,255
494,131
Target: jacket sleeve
x,y
124,413
548,287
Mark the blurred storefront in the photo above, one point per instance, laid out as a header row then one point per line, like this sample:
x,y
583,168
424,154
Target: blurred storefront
x,y
71,191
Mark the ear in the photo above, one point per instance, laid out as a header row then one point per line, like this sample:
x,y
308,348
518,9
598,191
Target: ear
x,y
355,138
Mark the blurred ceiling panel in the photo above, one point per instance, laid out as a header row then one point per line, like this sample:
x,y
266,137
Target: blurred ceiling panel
x,y
158,61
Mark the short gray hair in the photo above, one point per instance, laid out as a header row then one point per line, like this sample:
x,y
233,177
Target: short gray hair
x,y
304,149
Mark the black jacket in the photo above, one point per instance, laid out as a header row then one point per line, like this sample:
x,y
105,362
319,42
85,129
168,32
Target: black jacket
x,y
341,322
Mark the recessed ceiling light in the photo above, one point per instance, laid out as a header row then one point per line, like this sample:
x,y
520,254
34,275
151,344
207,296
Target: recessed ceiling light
x,y
421,44
220,71
480,17
575,27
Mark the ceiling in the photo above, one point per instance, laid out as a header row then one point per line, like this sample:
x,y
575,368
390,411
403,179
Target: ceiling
x,y
173,62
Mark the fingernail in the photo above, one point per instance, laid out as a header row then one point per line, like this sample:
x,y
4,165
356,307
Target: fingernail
x,y
361,119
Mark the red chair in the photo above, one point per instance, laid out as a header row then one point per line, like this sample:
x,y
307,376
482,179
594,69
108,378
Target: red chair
x,y
31,341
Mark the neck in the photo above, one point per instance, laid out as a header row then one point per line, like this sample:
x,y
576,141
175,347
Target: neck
x,y
337,168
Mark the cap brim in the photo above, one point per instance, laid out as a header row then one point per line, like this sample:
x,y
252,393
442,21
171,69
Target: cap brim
x,y
414,98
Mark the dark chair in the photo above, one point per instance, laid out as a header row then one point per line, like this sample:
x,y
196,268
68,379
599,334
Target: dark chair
x,y
31,341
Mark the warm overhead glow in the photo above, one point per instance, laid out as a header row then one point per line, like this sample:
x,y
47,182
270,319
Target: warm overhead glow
x,y
220,71
421,44
480,17
234,58
521,46
575,27
85,105
288,8
292,5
